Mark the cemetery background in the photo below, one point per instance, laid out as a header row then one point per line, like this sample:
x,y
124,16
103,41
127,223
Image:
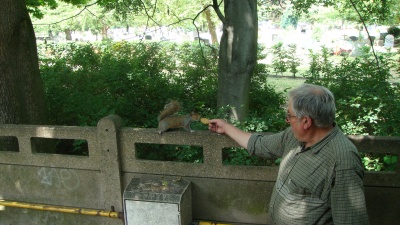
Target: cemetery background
x,y
341,36
346,40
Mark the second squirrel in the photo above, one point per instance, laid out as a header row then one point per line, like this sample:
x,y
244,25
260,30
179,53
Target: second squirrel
x,y
166,119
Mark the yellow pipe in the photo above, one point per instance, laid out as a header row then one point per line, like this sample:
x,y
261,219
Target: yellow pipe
x,y
90,212
63,209
212,223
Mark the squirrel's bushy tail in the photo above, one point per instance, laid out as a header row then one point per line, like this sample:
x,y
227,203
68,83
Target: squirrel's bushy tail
x,y
169,109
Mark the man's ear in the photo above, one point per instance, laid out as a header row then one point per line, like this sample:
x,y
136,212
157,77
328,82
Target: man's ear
x,y
307,122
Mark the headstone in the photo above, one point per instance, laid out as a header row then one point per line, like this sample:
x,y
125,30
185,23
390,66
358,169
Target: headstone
x,y
389,41
370,40
353,38
382,36
356,48
379,43
276,38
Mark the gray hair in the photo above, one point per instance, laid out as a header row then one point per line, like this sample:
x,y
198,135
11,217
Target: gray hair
x,y
314,101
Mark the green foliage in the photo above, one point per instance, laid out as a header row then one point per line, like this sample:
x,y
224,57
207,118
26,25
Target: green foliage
x,y
279,58
35,7
180,153
289,19
292,60
381,162
317,33
134,80
123,8
240,156
182,14
397,67
85,82
370,12
395,31
367,103
284,58
320,64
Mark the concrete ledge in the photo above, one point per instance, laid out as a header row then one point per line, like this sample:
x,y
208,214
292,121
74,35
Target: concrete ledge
x,y
234,194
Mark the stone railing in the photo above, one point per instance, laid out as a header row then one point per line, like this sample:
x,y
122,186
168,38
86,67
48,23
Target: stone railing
x,y
232,194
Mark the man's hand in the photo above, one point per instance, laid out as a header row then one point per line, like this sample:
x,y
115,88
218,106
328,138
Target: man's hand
x,y
223,127
218,126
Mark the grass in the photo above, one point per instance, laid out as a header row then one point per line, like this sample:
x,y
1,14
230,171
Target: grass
x,y
283,83
286,81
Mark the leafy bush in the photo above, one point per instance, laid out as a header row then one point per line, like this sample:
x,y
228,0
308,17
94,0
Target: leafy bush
x,y
284,58
367,103
86,82
134,80
292,60
381,162
180,153
279,58
395,31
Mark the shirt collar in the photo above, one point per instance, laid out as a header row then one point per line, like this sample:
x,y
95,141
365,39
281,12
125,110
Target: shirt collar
x,y
315,148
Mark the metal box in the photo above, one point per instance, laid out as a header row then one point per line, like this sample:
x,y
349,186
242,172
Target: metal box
x,y
153,201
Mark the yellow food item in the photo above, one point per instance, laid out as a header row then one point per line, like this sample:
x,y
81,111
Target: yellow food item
x,y
204,120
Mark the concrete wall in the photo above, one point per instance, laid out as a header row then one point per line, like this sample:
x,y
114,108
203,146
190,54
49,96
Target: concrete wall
x,y
234,194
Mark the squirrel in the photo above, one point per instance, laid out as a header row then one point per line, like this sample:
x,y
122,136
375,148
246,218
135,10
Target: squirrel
x,y
167,119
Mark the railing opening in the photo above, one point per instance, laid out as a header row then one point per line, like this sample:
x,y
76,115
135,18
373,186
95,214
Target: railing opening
x,y
60,146
9,143
379,162
169,152
240,156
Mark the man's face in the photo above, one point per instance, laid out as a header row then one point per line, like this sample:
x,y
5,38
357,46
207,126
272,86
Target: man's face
x,y
295,122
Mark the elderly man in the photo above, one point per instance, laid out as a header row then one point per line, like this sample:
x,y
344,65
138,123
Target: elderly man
x,y
320,178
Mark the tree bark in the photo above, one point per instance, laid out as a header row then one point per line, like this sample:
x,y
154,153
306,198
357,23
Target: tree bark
x,y
22,99
104,31
68,35
211,26
238,55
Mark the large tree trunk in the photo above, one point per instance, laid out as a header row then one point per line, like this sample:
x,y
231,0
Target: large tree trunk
x,y
238,55
211,26
22,99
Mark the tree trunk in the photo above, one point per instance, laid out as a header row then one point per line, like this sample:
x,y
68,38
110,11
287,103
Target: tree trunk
x,y
68,35
22,99
238,55
211,27
104,32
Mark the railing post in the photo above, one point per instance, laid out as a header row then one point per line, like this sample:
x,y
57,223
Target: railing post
x,y
111,184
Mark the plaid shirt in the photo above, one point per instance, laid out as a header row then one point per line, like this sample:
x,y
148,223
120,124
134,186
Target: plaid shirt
x,y
322,184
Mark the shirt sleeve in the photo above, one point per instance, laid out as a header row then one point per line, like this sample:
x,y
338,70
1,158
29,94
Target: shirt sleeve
x,y
267,145
347,195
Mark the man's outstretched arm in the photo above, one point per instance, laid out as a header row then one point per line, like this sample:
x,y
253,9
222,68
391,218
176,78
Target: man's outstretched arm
x,y
223,127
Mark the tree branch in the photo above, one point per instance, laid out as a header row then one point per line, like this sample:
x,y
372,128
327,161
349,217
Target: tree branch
x,y
369,37
84,8
215,6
